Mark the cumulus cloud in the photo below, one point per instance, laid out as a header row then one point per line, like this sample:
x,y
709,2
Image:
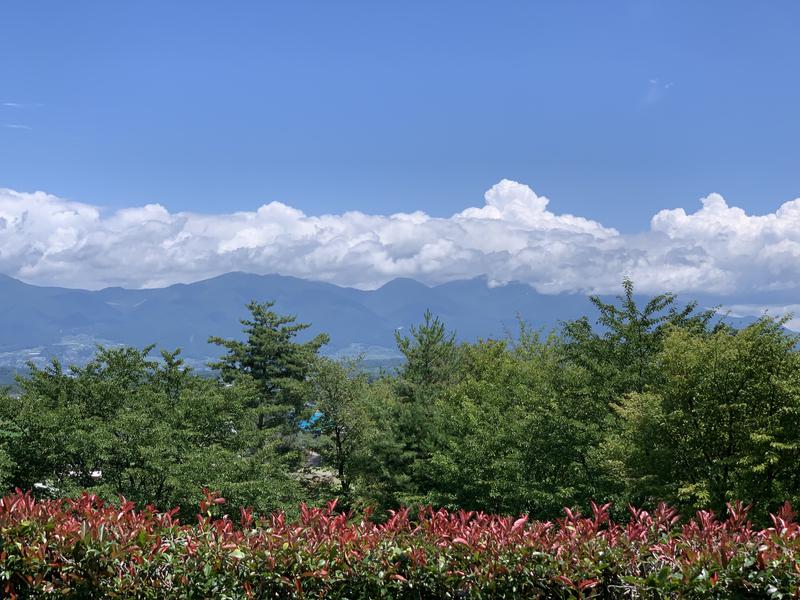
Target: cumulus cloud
x,y
514,236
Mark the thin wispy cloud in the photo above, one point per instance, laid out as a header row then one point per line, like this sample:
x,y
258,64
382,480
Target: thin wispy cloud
x,y
656,90
21,104
16,126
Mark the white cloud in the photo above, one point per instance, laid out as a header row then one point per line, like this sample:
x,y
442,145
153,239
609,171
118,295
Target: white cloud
x,y
513,236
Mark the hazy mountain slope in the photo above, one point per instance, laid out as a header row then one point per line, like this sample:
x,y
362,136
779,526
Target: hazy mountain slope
x,y
37,322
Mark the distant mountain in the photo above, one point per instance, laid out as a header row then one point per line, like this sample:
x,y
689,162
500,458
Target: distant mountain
x,y
39,322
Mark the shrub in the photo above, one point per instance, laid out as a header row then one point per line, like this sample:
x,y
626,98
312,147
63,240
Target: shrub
x,y
86,548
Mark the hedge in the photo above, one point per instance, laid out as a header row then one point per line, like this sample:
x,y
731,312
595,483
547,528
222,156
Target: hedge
x,y
87,548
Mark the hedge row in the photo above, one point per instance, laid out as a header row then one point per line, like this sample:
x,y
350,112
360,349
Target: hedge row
x,y
85,548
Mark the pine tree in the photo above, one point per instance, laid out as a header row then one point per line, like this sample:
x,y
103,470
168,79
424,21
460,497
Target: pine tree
x,y
432,358
271,356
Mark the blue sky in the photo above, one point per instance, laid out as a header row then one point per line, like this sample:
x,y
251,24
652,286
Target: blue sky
x,y
562,144
613,110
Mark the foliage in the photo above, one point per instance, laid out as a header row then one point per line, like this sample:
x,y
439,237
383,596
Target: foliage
x,y
277,363
84,548
521,428
392,463
620,354
338,391
149,430
654,402
431,357
381,463
722,422
432,366
8,433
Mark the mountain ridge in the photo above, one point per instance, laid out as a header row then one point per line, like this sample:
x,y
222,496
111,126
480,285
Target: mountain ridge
x,y
37,322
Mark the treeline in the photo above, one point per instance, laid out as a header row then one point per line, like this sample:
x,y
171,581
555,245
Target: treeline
x,y
640,403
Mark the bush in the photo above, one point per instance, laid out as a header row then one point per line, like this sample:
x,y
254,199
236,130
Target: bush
x,y
85,548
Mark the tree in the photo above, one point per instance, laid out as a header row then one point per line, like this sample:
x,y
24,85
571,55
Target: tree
x,y
8,432
722,423
337,394
149,430
431,358
382,464
620,355
274,360
431,365
520,431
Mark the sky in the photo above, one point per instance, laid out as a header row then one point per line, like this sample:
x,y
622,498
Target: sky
x,y
264,136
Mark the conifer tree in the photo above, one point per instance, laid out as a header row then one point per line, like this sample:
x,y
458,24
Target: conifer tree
x,y
432,357
277,363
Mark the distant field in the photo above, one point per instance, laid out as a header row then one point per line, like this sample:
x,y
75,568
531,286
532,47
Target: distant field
x,y
377,367
7,375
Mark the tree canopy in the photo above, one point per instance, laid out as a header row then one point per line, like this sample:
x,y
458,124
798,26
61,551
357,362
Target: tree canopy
x,y
647,400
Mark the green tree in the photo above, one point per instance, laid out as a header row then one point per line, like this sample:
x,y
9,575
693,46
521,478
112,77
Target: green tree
x,y
8,432
521,430
382,463
149,430
620,353
431,359
338,389
721,423
278,364
431,366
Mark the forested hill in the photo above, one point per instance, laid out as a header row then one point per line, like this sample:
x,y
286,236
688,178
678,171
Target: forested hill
x,y
41,322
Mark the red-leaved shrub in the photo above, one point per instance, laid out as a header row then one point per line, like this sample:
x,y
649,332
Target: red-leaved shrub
x,y
90,549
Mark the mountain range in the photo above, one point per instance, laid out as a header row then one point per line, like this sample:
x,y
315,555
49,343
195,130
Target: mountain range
x,y
37,323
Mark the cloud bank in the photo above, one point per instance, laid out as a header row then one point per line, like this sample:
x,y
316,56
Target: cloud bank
x,y
512,237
